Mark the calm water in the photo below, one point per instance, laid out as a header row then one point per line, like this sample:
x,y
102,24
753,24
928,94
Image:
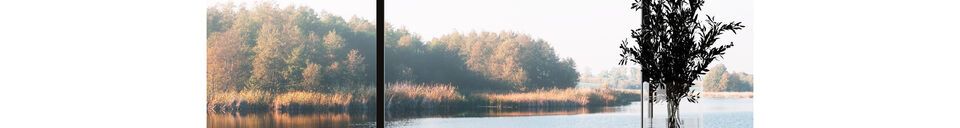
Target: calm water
x,y
710,113
287,120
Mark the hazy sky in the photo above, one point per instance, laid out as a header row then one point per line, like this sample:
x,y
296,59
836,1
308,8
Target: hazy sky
x,y
365,9
589,31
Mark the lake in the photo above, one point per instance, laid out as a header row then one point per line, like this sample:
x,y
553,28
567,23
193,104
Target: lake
x,y
292,119
709,113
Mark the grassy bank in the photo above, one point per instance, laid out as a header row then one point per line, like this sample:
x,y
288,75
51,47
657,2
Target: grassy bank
x,y
406,95
257,100
570,97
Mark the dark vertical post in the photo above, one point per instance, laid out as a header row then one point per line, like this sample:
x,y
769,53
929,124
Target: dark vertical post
x,y
380,86
644,22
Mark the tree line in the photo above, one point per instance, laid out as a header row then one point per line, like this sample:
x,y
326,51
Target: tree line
x,y
718,79
273,48
477,61
721,80
617,77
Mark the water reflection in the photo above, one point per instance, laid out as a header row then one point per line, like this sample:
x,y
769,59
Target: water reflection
x,y
500,117
292,119
710,113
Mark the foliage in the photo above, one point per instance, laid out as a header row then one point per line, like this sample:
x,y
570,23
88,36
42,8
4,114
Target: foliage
x,y
478,61
266,47
292,58
720,80
674,48
618,78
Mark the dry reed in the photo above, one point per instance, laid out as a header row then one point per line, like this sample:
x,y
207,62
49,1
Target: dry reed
x,y
421,95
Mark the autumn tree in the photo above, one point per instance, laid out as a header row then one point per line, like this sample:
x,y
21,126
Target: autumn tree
x,y
266,61
355,68
267,47
333,43
718,79
227,61
712,82
312,76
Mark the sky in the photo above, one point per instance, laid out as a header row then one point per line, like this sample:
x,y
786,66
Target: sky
x,y
589,31
365,9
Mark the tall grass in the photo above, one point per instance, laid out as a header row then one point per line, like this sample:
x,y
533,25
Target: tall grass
x,y
551,97
407,95
311,100
305,100
404,94
238,100
569,97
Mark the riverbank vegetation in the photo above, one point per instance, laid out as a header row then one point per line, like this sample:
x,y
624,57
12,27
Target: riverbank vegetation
x,y
570,97
432,96
476,61
255,100
728,95
407,95
721,80
476,69
266,57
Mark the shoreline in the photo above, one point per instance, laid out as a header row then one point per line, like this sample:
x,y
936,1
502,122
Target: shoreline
x,y
292,101
728,95
432,96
